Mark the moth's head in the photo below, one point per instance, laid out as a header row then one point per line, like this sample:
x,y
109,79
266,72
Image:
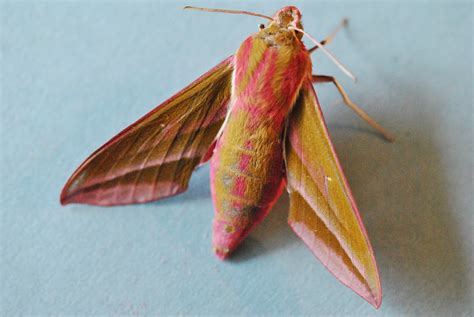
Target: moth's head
x,y
287,17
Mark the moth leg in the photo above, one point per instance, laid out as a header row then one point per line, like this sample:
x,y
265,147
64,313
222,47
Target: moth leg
x,y
331,36
317,79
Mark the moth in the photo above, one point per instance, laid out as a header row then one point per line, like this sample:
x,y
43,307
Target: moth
x,y
256,117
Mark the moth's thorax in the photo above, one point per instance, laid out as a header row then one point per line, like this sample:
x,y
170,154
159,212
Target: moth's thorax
x,y
276,36
270,67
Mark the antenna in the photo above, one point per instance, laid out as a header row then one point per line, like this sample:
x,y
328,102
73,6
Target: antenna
x,y
229,11
326,51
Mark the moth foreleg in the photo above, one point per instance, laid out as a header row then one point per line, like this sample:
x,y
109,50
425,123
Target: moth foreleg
x,y
317,79
331,36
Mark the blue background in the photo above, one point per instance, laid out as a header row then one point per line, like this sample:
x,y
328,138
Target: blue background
x,y
73,74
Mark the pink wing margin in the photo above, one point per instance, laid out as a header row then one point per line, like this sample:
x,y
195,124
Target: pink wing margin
x,y
154,157
323,212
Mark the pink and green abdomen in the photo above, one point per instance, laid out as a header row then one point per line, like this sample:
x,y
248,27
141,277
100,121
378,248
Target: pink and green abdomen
x,y
247,168
246,179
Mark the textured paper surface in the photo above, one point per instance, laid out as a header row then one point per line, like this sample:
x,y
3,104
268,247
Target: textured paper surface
x,y
75,74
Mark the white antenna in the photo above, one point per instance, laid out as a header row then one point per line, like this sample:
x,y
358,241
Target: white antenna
x,y
334,59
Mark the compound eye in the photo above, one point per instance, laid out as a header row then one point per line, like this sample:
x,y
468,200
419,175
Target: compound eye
x,y
261,26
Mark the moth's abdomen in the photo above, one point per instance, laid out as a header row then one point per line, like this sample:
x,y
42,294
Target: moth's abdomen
x,y
246,179
247,165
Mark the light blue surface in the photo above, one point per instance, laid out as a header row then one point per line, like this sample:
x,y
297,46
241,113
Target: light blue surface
x,y
75,74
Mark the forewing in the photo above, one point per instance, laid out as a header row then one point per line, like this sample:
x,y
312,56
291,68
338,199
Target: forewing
x,y
154,157
322,211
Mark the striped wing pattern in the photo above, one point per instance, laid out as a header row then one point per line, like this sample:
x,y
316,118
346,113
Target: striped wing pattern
x,y
154,157
322,211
